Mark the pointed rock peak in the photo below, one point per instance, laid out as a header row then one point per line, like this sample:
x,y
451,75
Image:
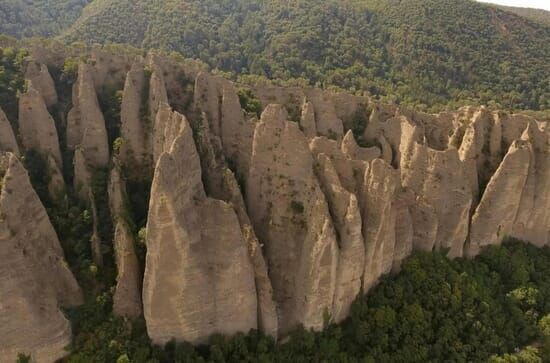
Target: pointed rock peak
x,y
274,114
535,135
352,150
7,137
36,126
39,75
307,119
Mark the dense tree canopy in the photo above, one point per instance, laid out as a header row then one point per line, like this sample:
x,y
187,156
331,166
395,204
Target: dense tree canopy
x,y
430,53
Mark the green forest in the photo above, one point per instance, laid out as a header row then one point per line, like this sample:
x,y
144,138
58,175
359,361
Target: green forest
x,y
433,54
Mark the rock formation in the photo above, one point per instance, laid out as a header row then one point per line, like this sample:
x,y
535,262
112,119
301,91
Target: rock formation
x,y
7,137
35,278
42,81
255,224
85,122
127,295
36,125
291,218
198,277
132,128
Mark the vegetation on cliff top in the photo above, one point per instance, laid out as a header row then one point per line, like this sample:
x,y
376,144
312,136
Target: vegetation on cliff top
x,y
429,53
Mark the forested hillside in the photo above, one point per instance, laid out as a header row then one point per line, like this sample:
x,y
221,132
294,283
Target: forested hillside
x,y
539,15
431,53
27,18
428,53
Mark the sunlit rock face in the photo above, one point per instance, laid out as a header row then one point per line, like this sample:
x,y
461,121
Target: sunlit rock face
x,y
266,222
35,279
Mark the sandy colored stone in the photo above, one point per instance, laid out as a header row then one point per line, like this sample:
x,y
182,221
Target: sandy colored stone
x,y
438,177
495,214
425,223
35,279
127,295
532,222
291,218
85,122
198,276
7,137
42,81
354,151
307,119
344,210
36,125
327,122
133,120
236,131
378,196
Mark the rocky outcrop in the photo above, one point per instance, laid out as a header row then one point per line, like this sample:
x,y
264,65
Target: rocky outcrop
x,y
344,210
532,221
36,125
127,295
495,214
35,279
132,129
378,194
307,120
438,177
85,122
7,137
236,131
198,276
42,81
291,218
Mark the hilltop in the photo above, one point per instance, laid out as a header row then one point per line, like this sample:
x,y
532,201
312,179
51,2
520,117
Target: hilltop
x,y
432,54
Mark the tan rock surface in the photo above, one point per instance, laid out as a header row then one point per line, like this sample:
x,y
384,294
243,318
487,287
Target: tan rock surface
x,y
132,126
42,81
36,125
127,295
438,177
495,214
291,218
344,210
198,276
7,137
85,122
378,194
35,277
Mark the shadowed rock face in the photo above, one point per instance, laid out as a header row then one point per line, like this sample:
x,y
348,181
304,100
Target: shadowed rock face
x,y
35,280
198,277
7,137
259,224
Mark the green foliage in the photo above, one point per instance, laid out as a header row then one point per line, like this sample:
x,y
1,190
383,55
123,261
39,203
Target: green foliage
x,y
359,121
23,358
38,17
433,53
249,102
434,310
110,101
297,206
12,82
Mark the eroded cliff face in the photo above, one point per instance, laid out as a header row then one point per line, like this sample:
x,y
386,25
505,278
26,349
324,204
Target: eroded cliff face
x,y
283,221
35,280
198,277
